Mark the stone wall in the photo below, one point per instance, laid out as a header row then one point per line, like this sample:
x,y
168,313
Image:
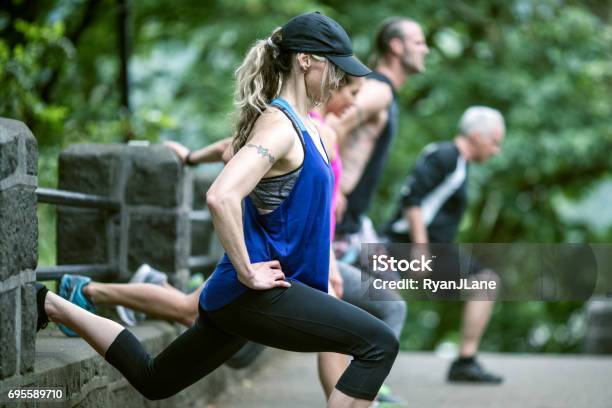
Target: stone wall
x,y
18,248
90,382
153,226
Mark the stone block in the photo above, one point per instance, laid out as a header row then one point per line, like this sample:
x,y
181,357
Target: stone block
x,y
9,157
155,177
18,230
32,156
28,327
201,235
97,398
110,373
201,183
90,168
127,396
11,132
161,240
8,340
70,377
82,236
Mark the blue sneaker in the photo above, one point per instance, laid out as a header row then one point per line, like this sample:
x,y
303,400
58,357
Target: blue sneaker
x,y
71,289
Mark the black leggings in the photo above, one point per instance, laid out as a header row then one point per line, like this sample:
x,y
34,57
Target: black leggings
x,y
298,318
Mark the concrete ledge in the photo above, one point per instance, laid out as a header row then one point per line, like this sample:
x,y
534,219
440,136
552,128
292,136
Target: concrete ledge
x,y
91,382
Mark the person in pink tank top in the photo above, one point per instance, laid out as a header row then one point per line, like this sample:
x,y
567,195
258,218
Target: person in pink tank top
x,y
340,100
345,279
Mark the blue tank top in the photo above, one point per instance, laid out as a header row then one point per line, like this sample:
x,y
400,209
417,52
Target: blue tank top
x,y
296,233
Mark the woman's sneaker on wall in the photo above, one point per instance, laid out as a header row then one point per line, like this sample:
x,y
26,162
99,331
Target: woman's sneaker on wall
x,y
144,274
42,318
71,289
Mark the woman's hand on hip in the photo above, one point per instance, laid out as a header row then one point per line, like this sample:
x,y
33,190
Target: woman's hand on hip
x,y
264,275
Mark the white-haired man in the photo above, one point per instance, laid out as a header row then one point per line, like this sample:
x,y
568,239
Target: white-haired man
x,y
432,204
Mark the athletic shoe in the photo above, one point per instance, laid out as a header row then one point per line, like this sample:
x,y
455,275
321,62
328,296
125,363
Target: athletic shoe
x,y
386,399
196,280
471,371
144,274
71,289
42,319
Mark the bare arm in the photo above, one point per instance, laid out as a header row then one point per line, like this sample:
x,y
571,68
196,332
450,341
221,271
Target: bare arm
x,y
211,153
418,234
272,138
418,231
429,171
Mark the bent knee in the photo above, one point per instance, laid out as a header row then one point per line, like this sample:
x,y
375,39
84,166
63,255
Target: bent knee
x,y
153,390
390,346
383,348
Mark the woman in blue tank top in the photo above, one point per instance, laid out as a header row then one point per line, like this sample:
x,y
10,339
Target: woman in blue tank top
x,y
271,286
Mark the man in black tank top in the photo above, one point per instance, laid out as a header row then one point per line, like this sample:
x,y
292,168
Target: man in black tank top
x,y
367,130
359,198
431,206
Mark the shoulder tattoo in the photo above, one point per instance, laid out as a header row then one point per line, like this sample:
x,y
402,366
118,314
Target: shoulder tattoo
x,y
262,151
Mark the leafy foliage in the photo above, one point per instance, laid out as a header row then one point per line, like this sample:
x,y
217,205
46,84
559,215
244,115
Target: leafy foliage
x,y
546,64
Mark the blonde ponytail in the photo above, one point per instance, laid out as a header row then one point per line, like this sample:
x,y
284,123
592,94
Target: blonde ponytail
x,y
258,81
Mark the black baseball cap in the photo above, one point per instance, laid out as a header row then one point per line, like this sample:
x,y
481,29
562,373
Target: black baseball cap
x,y
318,34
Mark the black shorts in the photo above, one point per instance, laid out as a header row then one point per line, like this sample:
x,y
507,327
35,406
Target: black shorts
x,y
450,262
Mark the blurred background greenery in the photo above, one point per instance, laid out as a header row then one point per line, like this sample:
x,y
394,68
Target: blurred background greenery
x,y
546,64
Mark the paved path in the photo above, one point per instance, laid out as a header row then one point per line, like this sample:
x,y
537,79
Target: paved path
x,y
538,381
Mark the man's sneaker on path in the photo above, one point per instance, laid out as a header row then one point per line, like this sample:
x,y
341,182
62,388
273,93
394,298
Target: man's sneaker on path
x,y
471,371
